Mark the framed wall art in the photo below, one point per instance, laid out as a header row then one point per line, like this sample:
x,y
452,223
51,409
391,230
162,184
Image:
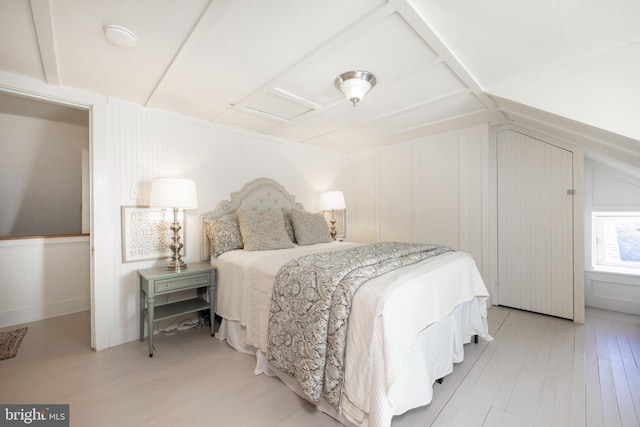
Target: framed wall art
x,y
146,233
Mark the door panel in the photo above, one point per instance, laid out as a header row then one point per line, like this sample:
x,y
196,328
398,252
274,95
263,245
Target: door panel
x,y
535,225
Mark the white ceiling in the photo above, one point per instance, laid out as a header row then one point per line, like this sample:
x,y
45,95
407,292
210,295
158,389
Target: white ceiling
x,y
567,67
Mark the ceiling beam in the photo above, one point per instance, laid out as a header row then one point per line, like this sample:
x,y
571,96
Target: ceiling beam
x,y
43,24
420,25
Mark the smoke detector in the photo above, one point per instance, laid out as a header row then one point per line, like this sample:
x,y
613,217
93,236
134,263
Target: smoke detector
x,y
120,36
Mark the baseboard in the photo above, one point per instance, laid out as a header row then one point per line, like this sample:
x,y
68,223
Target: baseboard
x,y
41,312
615,292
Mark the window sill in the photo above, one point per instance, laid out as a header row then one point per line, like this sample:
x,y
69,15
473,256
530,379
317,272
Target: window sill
x,y
616,270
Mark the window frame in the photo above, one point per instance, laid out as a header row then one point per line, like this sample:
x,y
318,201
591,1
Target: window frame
x,y
599,260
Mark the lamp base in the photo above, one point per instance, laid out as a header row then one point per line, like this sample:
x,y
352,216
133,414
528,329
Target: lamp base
x,y
176,265
332,230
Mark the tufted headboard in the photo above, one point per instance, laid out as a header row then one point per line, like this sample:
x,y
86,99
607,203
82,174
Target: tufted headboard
x,y
259,195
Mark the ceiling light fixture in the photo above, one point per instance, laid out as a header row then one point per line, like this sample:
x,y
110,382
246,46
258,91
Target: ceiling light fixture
x,y
120,36
355,84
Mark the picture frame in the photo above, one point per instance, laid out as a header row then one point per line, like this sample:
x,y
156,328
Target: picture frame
x,y
146,233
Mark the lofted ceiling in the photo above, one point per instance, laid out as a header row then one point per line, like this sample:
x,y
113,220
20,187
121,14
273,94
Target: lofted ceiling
x,y
565,67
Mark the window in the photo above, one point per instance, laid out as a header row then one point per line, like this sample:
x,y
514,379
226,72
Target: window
x,y
617,239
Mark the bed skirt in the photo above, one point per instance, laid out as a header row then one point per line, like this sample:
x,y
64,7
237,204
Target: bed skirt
x,y
429,358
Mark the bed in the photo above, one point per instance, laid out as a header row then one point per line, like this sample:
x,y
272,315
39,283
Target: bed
x,y
364,356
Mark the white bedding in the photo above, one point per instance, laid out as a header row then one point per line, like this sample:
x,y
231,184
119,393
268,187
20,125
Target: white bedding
x,y
388,316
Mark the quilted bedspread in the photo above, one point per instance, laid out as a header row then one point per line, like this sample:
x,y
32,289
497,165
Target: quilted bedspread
x,y
310,309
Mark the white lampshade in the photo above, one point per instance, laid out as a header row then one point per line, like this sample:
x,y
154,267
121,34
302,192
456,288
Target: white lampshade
x,y
173,193
332,201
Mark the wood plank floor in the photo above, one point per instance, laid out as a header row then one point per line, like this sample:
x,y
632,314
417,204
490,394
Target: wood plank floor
x,y
539,371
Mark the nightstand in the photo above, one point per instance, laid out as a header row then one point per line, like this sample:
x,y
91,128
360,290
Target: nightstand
x,y
158,281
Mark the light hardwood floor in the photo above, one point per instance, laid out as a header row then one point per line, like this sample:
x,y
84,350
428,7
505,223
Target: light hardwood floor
x,y
539,371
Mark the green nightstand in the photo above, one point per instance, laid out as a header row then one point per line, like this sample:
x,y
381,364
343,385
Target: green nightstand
x,y
158,281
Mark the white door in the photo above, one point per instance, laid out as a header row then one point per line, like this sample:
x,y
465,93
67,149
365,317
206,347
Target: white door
x,y
535,225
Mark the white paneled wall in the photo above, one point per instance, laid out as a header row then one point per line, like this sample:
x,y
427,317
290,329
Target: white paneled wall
x,y
437,196
609,188
147,144
360,198
433,189
395,188
43,278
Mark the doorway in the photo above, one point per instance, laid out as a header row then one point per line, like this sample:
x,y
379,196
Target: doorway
x,y
46,242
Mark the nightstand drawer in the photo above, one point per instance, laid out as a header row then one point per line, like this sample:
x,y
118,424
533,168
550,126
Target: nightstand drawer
x,y
164,285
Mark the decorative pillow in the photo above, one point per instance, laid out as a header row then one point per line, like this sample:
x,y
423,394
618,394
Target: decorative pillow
x,y
288,225
263,231
310,228
223,236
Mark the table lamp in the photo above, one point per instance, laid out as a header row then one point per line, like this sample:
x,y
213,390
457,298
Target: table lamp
x,y
174,193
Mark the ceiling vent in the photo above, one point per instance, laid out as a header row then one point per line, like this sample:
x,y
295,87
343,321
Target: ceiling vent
x,y
281,105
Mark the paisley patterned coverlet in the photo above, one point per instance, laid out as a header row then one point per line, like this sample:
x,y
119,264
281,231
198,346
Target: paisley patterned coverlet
x,y
310,310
